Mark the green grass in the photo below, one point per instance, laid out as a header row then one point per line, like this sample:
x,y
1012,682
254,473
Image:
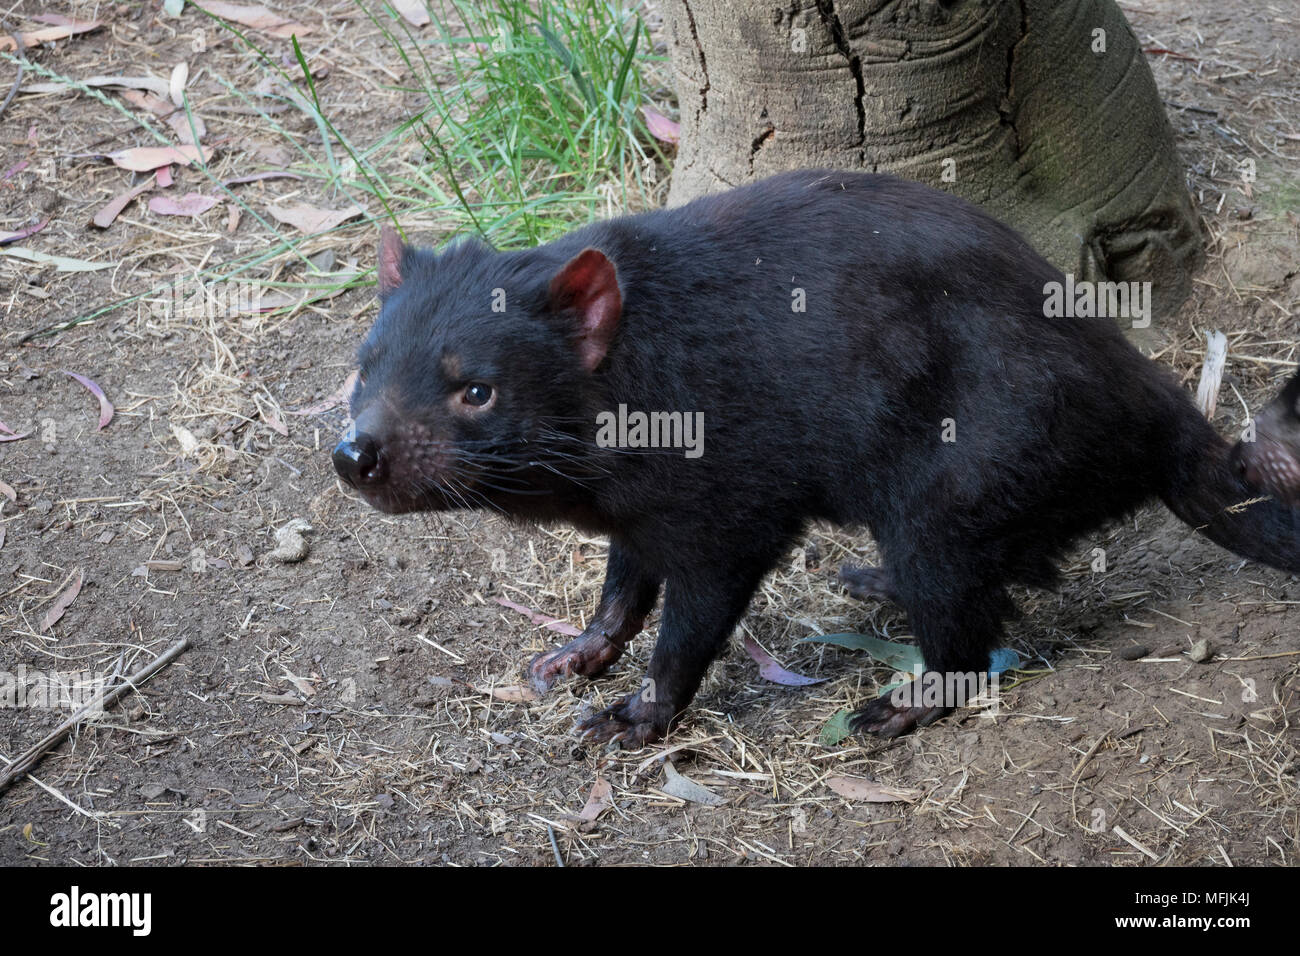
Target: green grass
x,y
533,112
523,121
526,117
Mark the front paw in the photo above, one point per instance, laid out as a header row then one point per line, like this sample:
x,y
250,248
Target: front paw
x,y
587,655
884,717
632,722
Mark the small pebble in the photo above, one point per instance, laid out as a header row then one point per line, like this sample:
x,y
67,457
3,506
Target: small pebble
x,y
291,546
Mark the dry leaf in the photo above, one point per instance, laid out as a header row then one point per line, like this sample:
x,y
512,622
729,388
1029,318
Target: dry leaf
x,y
62,263
412,11
9,435
61,602
684,788
191,204
514,693
49,34
303,684
859,788
661,127
769,669
255,16
553,623
153,84
8,237
180,125
109,213
148,101
8,491
105,406
142,159
55,19
176,87
598,801
311,219
177,119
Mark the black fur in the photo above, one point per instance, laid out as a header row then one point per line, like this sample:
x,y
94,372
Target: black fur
x,y
919,308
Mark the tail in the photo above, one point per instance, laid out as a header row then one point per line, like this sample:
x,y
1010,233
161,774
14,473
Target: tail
x,y
1204,490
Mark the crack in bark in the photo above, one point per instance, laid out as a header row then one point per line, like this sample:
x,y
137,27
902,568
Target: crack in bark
x,y
699,49
757,143
826,10
1007,116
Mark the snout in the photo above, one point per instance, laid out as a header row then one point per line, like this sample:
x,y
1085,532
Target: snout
x,y
1268,466
359,460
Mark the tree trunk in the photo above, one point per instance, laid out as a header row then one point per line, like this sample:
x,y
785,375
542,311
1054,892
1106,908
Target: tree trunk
x,y
1042,111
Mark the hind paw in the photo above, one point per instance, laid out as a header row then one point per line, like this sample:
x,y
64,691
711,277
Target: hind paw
x,y
886,718
867,583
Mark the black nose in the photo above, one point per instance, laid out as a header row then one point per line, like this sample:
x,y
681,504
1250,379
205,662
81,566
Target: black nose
x,y
357,459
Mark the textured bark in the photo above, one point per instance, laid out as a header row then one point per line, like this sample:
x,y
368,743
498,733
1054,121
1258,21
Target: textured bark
x,y
1070,146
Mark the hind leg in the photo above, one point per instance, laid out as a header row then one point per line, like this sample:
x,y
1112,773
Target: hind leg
x,y
957,620
867,583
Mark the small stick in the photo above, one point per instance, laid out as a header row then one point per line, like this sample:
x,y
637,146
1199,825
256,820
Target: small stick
x,y
20,54
20,767
1133,843
1083,762
1216,354
555,847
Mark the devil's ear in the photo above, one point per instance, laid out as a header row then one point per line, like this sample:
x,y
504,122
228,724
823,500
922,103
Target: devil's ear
x,y
587,289
391,252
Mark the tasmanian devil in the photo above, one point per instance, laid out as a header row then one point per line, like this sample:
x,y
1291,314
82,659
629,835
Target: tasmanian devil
x,y
862,350
1271,462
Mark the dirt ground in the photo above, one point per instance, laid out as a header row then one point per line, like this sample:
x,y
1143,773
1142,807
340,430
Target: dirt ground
x,y
356,706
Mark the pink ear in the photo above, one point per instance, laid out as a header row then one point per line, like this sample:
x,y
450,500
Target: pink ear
x,y
588,286
391,250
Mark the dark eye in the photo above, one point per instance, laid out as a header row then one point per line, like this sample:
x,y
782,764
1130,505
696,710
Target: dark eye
x,y
476,393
